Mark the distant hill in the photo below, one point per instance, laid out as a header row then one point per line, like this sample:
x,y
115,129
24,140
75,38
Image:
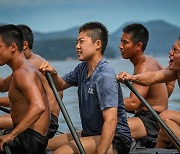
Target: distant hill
x,y
61,44
62,49
69,33
162,35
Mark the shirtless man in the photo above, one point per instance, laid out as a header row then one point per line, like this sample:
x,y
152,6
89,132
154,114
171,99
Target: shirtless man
x,y
171,73
133,44
36,61
29,104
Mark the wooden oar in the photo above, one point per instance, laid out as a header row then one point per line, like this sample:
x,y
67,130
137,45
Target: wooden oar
x,y
163,125
4,109
65,113
6,148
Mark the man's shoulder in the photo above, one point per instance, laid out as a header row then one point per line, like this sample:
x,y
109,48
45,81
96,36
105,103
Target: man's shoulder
x,y
37,58
24,74
149,64
26,69
152,60
106,73
106,70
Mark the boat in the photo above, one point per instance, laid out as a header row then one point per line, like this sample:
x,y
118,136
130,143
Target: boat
x,y
138,149
154,151
146,145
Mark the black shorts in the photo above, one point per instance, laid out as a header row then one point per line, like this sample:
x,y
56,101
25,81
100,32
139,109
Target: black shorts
x,y
121,143
28,142
53,127
150,123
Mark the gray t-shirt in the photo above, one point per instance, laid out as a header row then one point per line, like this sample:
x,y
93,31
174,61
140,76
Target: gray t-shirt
x,y
96,93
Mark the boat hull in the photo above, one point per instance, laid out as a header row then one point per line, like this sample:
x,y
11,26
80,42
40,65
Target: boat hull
x,y
154,151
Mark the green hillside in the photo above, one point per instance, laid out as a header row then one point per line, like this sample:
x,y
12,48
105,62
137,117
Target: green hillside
x,y
62,49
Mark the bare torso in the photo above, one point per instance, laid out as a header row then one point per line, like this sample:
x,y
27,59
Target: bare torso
x,y
24,101
156,95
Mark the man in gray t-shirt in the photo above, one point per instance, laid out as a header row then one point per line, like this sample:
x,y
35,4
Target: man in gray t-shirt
x,y
102,112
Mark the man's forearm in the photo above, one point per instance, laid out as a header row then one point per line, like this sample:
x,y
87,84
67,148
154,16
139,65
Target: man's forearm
x,y
4,101
107,136
5,83
58,82
144,79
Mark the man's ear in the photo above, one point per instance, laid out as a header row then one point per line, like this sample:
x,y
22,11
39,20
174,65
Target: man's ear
x,y
13,47
25,45
139,46
99,44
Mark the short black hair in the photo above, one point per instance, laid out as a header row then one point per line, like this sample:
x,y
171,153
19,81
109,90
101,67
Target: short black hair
x,y
27,34
139,33
11,34
96,31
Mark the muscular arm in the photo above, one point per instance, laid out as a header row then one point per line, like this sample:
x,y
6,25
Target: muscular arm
x,y
5,83
108,130
132,103
169,85
149,78
4,101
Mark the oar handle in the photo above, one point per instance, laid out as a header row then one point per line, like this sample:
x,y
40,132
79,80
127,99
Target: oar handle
x,y
157,117
4,109
6,148
65,113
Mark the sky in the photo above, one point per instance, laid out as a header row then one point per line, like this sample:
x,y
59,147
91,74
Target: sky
x,y
58,15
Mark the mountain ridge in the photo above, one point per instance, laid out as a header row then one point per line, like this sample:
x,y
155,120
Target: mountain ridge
x,y
162,36
61,44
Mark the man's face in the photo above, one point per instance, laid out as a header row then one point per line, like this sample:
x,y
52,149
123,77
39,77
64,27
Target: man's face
x,y
174,56
27,52
4,52
127,46
85,48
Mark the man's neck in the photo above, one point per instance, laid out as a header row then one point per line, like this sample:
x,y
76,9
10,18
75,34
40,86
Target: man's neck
x,y
28,53
17,61
93,63
138,59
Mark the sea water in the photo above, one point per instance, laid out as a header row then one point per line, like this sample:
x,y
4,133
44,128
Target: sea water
x,y
70,98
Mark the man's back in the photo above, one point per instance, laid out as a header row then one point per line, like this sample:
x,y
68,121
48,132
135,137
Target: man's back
x,y
36,61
